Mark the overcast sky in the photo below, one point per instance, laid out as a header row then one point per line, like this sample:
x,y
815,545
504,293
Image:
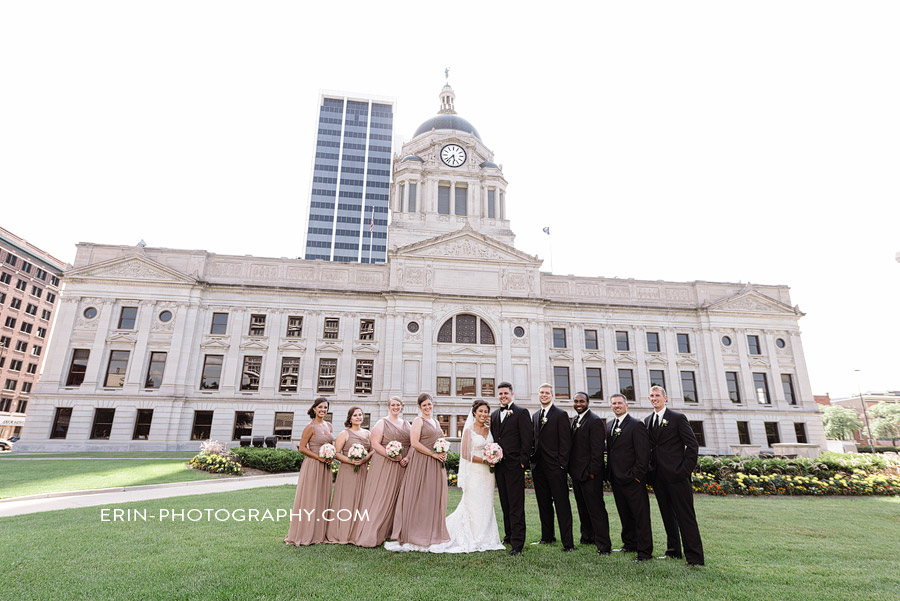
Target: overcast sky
x,y
719,141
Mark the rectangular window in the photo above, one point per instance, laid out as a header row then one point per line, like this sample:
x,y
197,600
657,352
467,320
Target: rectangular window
x,y
142,424
40,274
26,327
51,298
5,278
594,383
36,350
658,377
787,383
465,386
42,332
761,384
243,424
332,327
734,389
54,280
800,432
622,341
444,423
772,434
684,343
31,309
559,338
590,340
155,370
15,365
116,368
10,322
487,387
443,386
35,291
2,297
492,204
367,329
5,341
61,422
102,427
21,285
45,314
16,303
561,382
412,198
284,425
290,375
5,404
753,345
202,425
251,373
127,318
364,374
22,405
743,432
697,427
212,372
32,368
11,259
689,387
26,387
26,266
219,323
294,327
327,374
626,383
21,345
10,384
257,325
652,342
460,425
443,200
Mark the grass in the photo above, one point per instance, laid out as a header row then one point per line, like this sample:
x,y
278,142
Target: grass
x,y
19,478
125,454
756,548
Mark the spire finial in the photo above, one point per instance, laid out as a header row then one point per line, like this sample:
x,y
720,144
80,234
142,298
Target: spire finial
x,y
447,74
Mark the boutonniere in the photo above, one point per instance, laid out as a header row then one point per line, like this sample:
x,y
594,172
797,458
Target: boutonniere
x,y
508,412
664,423
543,421
577,425
617,431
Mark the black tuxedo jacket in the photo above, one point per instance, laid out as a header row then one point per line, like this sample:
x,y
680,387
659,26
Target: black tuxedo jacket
x,y
514,435
588,446
673,447
628,452
554,438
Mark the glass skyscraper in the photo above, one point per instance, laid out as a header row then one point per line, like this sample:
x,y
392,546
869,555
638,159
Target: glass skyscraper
x,y
348,207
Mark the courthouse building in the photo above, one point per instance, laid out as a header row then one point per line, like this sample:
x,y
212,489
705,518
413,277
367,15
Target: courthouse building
x,y
157,349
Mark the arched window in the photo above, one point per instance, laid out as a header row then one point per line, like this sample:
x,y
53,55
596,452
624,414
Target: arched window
x,y
466,329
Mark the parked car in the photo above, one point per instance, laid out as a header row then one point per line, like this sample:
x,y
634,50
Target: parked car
x,y
14,439
5,445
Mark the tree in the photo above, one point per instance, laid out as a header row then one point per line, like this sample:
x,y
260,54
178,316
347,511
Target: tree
x,y
840,422
886,420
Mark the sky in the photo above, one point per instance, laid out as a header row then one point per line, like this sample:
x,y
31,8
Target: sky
x,y
718,141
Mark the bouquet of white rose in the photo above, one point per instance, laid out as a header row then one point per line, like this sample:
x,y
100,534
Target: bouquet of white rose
x,y
357,451
327,451
492,454
393,448
441,446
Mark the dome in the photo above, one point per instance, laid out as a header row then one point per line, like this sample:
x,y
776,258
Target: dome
x,y
447,121
412,158
488,164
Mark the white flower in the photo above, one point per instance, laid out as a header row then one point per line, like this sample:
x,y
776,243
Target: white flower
x,y
543,421
617,431
665,422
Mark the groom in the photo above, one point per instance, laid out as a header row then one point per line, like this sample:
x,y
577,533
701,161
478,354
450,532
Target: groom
x,y
511,429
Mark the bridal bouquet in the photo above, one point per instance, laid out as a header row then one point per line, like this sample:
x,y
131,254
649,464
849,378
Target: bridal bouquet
x,y
357,451
441,446
326,451
492,454
393,448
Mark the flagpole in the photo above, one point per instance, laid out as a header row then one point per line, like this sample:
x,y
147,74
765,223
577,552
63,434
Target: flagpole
x,y
371,233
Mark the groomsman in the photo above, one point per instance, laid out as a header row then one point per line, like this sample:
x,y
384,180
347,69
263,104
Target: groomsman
x,y
550,460
673,456
511,429
586,468
628,457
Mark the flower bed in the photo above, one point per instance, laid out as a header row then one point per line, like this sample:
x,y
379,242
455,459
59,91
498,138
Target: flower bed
x,y
215,457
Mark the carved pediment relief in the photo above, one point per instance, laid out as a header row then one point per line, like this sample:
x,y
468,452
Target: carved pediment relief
x,y
560,356
329,348
657,360
625,358
122,338
593,357
292,346
363,349
468,351
752,301
466,244
254,345
759,362
132,267
688,362
216,344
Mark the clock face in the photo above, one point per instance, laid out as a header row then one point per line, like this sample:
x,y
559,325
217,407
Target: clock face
x,y
453,155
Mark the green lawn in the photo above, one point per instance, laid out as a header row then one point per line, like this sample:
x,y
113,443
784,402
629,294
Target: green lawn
x,y
125,454
28,477
756,548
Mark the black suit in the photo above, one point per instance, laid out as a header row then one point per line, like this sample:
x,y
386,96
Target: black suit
x,y
514,435
550,460
673,456
628,457
586,469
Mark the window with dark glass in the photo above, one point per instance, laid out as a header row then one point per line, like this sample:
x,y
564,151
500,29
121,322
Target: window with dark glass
x,y
45,314
202,425
734,389
559,338
594,382
22,405
2,297
697,427
590,340
658,377
561,389
32,368
444,423
787,383
21,345
364,373
127,318
743,432
142,424
444,200
332,328
35,291
26,327
5,278
622,341
21,285
773,436
26,387
10,322
800,432
31,309
492,204
15,303
5,404
327,375
26,267
626,383
61,422
461,194
684,343
487,387
290,374
460,425
219,323
466,329
465,386
115,369
652,342
243,424
257,325
102,426
51,298
295,326
761,384
212,372
36,350
487,334
284,425
15,365
11,259
5,341
412,198
689,387
155,370
367,329
753,345
251,373
443,386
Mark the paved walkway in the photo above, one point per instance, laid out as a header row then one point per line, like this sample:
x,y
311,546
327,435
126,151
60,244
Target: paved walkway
x,y
129,494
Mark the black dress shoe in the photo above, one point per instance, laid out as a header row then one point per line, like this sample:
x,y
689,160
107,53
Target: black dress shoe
x,y
599,552
639,558
543,542
568,549
515,552
623,550
695,563
667,556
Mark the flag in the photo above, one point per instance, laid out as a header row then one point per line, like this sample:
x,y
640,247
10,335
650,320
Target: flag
x,y
372,222
547,230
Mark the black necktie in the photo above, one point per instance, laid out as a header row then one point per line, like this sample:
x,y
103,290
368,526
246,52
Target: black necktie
x,y
615,425
655,420
541,423
575,423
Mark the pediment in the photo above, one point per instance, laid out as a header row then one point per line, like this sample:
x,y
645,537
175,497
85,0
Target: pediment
x,y
759,362
688,361
593,357
468,351
561,356
466,244
214,344
254,345
626,358
292,346
133,267
362,349
121,338
329,348
752,301
657,360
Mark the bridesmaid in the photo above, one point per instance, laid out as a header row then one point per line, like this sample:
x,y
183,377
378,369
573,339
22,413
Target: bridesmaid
x,y
314,483
422,500
383,482
349,484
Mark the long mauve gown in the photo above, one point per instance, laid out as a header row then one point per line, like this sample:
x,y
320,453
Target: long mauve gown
x,y
380,494
348,490
419,519
313,493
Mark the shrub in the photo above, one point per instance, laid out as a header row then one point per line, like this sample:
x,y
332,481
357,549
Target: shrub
x,y
217,464
452,463
269,460
878,449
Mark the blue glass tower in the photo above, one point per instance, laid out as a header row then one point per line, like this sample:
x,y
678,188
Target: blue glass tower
x,y
348,208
